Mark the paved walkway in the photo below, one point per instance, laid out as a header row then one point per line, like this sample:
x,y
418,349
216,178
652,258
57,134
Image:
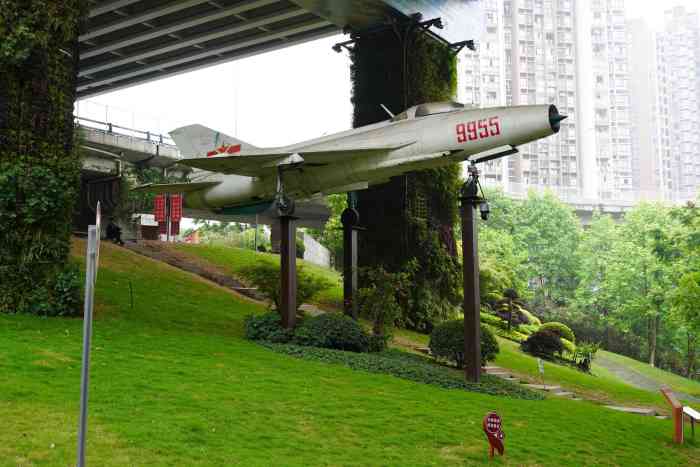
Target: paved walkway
x,y
635,378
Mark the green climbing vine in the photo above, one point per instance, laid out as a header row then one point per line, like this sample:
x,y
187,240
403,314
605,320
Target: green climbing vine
x,y
39,160
411,216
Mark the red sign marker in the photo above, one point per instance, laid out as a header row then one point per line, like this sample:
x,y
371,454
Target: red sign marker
x,y
492,428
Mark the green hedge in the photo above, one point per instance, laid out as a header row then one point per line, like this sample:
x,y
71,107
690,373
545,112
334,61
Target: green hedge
x,y
332,331
560,329
447,342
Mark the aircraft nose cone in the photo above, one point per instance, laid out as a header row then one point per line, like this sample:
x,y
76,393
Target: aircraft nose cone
x,y
555,118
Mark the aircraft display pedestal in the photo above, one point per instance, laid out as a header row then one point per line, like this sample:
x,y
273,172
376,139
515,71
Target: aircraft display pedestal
x,y
288,271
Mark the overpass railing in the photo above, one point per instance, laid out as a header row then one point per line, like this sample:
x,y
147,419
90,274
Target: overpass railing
x,y
113,119
110,128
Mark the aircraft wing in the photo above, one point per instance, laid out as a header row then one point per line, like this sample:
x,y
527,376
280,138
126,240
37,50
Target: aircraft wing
x,y
258,163
313,213
174,187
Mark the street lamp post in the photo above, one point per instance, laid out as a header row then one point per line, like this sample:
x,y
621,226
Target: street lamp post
x,y
471,200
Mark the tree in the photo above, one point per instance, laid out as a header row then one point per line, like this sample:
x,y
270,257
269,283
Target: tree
x,y
641,274
332,234
550,233
685,301
593,297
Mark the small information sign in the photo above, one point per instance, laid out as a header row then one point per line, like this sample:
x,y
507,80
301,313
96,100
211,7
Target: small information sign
x,y
492,427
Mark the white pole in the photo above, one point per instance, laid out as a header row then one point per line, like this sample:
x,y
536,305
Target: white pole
x,y
90,273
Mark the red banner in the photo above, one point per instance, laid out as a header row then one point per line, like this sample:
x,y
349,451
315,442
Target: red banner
x,y
159,208
174,228
175,208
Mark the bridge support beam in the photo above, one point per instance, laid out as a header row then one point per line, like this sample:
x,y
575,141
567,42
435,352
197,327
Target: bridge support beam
x,y
411,216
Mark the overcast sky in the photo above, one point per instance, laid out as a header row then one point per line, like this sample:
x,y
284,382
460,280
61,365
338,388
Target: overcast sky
x,y
278,98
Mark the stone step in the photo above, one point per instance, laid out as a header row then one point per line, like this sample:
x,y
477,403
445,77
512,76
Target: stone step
x,y
542,388
563,394
488,368
500,374
576,399
512,379
634,410
661,417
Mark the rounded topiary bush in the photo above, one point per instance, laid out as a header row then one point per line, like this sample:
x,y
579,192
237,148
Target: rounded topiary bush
x,y
543,343
568,346
560,329
267,327
447,341
529,317
332,331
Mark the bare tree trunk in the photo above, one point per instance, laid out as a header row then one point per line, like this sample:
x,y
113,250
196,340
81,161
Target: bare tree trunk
x,y
690,369
654,324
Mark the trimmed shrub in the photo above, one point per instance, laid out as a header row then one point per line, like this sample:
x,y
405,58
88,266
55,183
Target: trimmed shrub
x,y
531,319
560,329
447,341
493,320
267,327
543,343
528,329
332,331
568,346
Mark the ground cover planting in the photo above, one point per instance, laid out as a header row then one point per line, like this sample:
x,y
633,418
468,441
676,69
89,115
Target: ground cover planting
x,y
175,383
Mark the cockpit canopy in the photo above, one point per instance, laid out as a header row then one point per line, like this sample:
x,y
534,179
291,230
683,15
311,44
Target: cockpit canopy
x,y
431,108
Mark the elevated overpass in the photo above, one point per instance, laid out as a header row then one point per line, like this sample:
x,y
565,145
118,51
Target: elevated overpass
x,y
129,42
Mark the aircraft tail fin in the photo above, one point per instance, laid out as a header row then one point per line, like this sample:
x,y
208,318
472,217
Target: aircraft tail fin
x,y
200,141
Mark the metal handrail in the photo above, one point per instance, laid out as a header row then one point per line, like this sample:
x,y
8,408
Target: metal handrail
x,y
158,137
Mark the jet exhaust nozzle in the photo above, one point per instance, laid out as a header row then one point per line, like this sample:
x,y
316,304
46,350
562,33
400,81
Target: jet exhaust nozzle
x,y
555,118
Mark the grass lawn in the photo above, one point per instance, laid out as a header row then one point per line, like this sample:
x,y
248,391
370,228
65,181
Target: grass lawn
x,y
174,383
601,385
235,260
672,380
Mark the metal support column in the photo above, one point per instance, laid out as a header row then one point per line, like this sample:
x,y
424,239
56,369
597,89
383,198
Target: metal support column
x,y
288,272
350,219
470,200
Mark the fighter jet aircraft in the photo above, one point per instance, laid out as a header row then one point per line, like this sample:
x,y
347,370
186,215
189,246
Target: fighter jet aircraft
x,y
235,180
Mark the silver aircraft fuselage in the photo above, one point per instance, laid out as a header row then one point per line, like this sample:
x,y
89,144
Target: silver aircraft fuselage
x,y
413,143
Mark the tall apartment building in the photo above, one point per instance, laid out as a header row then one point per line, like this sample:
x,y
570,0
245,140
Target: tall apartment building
x,y
644,114
572,54
678,75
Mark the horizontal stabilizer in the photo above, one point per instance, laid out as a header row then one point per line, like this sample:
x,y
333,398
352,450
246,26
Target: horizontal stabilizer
x,y
174,187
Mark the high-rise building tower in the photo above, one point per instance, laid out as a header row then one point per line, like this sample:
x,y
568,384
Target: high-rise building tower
x,y
678,71
572,54
644,115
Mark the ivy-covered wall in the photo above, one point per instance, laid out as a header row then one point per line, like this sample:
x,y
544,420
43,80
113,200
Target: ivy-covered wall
x,y
412,216
39,162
